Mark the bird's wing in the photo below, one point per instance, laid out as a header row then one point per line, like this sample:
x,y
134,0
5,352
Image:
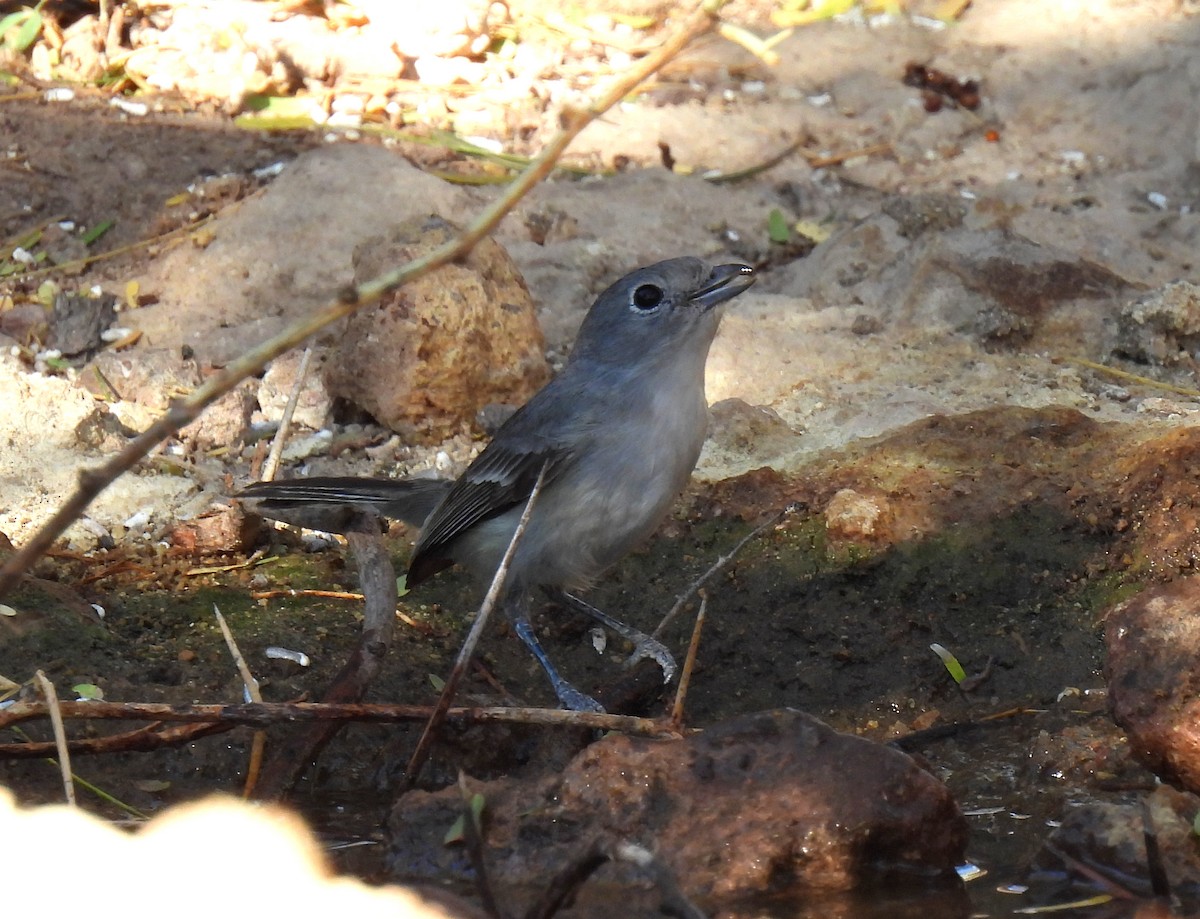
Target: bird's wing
x,y
502,477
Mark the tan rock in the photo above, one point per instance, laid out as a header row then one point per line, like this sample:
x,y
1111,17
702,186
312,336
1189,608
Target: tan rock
x,y
430,355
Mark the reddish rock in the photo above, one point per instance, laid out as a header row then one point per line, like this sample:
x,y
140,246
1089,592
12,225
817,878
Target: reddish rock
x,y
429,356
1153,671
770,801
222,529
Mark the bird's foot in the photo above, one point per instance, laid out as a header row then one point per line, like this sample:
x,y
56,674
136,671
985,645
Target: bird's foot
x,y
571,698
644,646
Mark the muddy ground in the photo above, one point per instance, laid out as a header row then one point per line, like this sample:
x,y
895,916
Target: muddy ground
x,y
913,387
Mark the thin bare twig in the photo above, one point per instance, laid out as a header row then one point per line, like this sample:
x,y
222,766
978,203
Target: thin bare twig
x,y
145,739
185,411
720,563
285,421
689,663
260,738
235,652
60,735
468,646
207,719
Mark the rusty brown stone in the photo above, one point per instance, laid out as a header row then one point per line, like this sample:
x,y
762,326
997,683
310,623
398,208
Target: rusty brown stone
x,y
767,801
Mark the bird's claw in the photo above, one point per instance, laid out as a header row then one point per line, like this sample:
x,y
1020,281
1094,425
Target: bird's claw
x,y
653,649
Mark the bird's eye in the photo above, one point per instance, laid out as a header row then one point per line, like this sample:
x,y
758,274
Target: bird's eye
x,y
647,297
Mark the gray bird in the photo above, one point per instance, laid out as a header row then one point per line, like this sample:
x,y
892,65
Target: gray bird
x,y
618,431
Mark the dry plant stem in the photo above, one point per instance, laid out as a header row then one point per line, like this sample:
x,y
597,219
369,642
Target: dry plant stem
x,y
248,679
413,771
60,736
285,422
306,592
378,580
1134,378
251,684
141,740
720,563
689,663
820,161
216,719
185,411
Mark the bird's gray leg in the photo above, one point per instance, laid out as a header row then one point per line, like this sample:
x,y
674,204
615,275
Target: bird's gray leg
x,y
643,644
568,695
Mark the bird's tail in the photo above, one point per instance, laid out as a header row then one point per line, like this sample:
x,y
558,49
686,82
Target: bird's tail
x,y
328,502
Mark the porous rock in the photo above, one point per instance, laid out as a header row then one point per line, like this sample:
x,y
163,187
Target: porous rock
x,y
431,354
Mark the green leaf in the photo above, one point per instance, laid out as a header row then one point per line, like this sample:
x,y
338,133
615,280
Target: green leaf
x,y
89,692
952,665
777,227
97,231
20,30
458,829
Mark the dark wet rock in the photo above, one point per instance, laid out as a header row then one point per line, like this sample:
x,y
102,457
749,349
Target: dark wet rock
x,y
1084,754
430,355
1111,838
769,801
1163,327
54,612
1153,671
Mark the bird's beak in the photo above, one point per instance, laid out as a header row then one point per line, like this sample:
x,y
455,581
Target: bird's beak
x,y
725,283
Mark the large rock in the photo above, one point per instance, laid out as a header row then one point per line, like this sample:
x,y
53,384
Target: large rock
x,y
281,255
764,802
431,354
1153,674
